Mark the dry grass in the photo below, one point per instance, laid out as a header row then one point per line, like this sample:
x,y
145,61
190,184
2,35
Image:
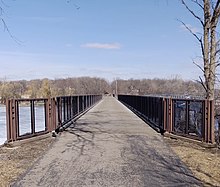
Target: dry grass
x,y
203,162
16,160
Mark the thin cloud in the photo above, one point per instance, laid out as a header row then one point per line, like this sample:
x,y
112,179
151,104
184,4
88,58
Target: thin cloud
x,y
102,45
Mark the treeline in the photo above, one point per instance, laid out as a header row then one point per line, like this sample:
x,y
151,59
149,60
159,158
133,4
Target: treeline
x,y
43,88
159,87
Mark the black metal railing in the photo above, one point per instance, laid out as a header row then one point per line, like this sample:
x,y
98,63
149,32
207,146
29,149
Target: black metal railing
x,y
189,117
69,107
193,118
148,107
26,118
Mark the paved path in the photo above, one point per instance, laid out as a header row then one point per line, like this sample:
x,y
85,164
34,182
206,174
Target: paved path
x,y
110,147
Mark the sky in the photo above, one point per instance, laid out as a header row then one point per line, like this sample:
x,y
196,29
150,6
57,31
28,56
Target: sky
x,y
98,38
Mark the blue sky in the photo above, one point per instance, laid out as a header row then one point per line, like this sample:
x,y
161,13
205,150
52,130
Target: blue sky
x,y
102,38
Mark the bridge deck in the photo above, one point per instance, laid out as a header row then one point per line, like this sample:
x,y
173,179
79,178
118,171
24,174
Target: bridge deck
x,y
109,146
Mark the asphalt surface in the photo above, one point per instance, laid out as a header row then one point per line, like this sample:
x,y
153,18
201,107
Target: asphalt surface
x,y
109,146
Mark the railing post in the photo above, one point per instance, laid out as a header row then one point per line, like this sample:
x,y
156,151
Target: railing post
x,y
51,119
8,121
207,121
212,121
165,115
91,100
83,101
170,114
78,104
54,112
209,134
187,117
32,117
48,112
11,120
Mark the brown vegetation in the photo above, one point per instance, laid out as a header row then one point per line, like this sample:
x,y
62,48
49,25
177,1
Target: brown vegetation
x,y
43,88
203,162
17,159
173,86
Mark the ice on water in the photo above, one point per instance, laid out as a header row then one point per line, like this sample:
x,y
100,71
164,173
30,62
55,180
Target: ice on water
x,y
24,121
2,124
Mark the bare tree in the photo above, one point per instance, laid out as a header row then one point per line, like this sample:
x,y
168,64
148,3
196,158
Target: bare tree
x,y
209,41
3,23
2,20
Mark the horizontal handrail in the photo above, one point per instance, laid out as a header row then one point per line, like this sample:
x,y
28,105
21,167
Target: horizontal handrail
x,y
27,118
193,118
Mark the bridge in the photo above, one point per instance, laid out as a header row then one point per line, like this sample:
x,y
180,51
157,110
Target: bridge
x,y
108,146
192,118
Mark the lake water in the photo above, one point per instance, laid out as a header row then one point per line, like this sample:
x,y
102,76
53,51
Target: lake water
x,y
3,135
24,121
